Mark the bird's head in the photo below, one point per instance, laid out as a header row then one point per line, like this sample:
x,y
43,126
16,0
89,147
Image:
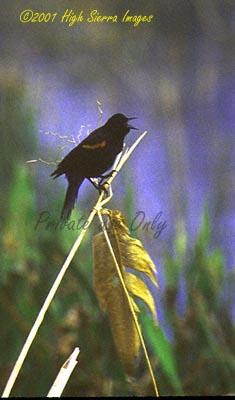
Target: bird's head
x,y
121,121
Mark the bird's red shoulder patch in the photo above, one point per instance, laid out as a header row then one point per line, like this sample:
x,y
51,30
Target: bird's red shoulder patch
x,y
95,146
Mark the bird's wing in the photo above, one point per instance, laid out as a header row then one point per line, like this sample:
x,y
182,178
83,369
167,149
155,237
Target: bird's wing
x,y
95,141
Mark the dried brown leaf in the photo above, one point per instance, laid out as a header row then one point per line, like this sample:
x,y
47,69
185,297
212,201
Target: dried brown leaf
x,y
129,253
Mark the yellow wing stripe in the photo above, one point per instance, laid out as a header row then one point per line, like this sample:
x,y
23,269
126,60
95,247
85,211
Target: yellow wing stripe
x,y
100,145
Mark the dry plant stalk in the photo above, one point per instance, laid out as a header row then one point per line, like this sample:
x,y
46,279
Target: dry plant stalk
x,y
32,334
64,375
114,249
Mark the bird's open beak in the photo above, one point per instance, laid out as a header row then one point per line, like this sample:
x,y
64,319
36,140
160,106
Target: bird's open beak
x,y
130,126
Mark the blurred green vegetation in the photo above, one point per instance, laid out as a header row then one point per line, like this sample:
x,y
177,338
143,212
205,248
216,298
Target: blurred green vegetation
x,y
16,126
199,357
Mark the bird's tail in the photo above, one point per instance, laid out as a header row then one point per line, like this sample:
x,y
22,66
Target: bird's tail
x,y
70,198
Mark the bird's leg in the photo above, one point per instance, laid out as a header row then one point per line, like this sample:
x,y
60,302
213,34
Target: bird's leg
x,y
103,177
94,184
99,187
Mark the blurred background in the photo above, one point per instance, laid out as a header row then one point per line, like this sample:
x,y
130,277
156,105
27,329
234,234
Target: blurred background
x,y
176,75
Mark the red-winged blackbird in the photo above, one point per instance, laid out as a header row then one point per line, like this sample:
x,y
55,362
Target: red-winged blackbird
x,y
92,157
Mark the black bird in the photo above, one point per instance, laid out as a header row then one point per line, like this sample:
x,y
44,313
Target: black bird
x,y
92,157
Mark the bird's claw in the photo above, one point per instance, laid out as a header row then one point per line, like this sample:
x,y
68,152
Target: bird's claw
x,y
102,177
101,188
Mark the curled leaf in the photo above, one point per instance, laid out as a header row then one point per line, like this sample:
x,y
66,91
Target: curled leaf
x,y
139,289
